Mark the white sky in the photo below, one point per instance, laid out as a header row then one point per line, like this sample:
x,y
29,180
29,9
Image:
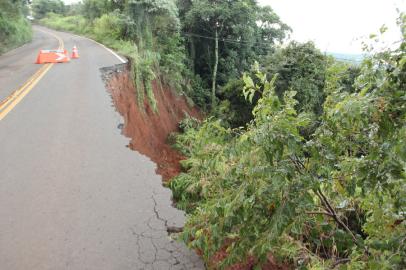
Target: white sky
x,y
70,1
336,25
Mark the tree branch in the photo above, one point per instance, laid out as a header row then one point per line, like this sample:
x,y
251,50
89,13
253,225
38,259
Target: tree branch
x,y
333,213
296,165
340,261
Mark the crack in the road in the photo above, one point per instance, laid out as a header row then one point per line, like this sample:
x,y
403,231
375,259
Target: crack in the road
x,y
156,251
166,254
170,229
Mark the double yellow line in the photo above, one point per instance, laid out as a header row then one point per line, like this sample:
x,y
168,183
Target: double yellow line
x,y
16,96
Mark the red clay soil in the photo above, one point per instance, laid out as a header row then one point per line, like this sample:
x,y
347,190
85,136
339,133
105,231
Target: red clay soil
x,y
248,264
149,130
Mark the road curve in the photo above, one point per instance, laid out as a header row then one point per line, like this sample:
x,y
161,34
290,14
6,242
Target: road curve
x,y
72,196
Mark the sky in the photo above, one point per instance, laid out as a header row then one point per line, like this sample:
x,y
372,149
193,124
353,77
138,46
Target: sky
x,y
70,1
337,26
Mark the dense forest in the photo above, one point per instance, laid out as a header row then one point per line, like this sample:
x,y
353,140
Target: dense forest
x,y
301,159
15,30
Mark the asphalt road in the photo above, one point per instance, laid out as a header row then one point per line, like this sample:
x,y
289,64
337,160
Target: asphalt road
x,y
72,195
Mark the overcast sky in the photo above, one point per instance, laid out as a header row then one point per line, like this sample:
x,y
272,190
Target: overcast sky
x,y
337,25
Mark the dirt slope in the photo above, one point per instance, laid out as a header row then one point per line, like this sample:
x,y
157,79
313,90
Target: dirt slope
x,y
149,130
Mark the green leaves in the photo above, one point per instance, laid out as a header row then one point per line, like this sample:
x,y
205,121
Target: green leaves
x,y
333,197
42,7
15,30
248,187
246,32
302,68
249,88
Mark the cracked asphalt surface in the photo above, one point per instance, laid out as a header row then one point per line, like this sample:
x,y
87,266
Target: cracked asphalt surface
x,y
72,196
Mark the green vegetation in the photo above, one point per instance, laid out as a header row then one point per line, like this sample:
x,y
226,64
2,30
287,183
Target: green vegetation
x,y
334,198
147,32
174,43
301,156
15,30
42,7
300,68
75,23
225,37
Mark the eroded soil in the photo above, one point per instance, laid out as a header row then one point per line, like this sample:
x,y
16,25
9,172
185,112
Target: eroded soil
x,y
149,130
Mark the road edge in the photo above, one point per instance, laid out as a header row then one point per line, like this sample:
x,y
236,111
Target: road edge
x,y
123,60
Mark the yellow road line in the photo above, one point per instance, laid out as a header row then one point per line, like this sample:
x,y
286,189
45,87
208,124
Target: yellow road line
x,y
16,96
23,94
15,93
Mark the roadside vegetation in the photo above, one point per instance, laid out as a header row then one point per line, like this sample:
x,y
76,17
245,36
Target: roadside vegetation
x,y
302,158
318,190
146,32
15,29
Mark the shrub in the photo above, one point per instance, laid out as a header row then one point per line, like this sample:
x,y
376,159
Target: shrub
x,y
109,26
76,24
15,30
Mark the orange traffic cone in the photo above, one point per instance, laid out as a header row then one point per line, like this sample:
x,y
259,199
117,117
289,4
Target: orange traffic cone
x,y
75,53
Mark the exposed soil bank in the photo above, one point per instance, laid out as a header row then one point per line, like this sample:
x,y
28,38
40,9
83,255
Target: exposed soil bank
x,y
149,130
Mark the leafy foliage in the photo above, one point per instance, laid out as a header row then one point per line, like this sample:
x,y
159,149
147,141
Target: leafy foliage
x,y
75,23
15,30
42,7
340,76
245,32
111,25
93,9
333,198
154,22
300,68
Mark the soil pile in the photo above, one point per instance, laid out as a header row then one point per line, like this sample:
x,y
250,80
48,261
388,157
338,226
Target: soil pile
x,y
147,129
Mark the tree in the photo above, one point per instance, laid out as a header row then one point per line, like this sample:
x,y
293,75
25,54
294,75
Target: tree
x,y
226,37
93,9
341,75
211,15
42,7
74,9
301,67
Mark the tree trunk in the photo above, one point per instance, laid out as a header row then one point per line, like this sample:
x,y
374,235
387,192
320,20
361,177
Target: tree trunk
x,y
216,61
192,53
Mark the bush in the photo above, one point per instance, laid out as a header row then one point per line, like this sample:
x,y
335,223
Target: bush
x,y
301,67
15,30
41,7
76,24
109,26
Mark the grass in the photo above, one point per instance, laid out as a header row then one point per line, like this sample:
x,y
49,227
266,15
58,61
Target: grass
x,y
14,32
